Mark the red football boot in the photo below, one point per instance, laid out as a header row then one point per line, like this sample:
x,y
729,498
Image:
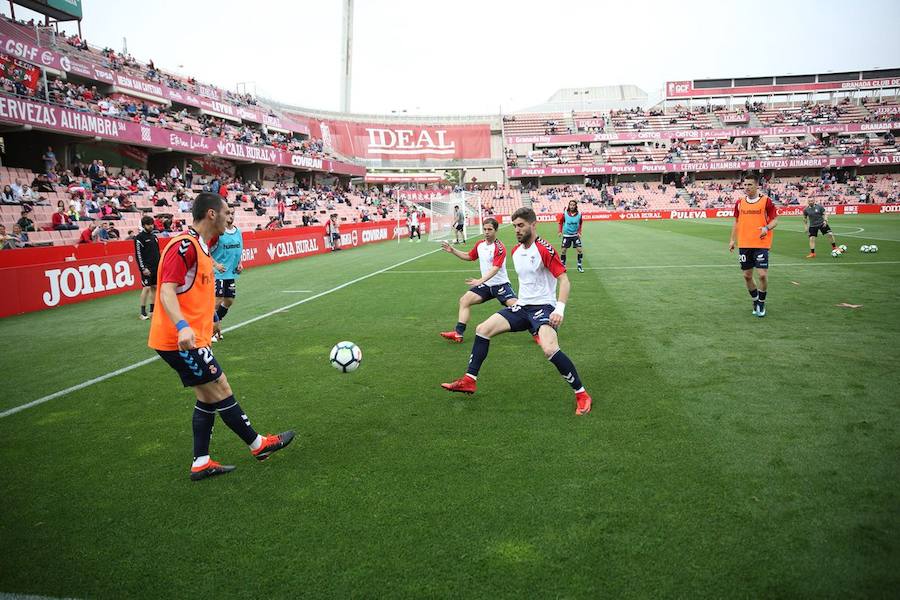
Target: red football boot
x,y
452,336
582,404
464,384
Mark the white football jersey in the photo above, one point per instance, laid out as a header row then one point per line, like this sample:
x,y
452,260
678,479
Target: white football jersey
x,y
537,266
490,256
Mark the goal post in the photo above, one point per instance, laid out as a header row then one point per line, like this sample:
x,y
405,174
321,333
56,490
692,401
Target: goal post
x,y
444,217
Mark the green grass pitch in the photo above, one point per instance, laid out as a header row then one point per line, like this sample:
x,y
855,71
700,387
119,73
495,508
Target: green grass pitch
x,y
726,455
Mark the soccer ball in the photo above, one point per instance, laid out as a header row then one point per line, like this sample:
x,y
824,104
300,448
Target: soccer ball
x,y
873,248
843,248
864,248
836,252
345,356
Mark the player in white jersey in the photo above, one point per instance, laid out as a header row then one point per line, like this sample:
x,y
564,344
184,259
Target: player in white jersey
x,y
412,223
493,283
538,310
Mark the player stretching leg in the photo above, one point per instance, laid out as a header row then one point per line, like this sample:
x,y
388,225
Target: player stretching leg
x,y
493,283
754,220
181,332
570,231
814,216
538,310
226,254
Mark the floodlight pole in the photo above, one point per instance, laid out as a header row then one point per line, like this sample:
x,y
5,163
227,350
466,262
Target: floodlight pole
x,y
346,55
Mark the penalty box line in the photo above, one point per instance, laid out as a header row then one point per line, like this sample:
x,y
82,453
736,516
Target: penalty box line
x,y
147,361
643,267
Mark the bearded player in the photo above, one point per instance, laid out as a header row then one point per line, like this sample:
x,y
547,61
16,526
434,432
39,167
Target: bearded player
x,y
538,310
493,283
181,334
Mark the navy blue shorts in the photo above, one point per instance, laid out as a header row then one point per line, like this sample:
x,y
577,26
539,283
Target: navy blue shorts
x,y
571,241
754,258
195,367
530,318
502,292
225,288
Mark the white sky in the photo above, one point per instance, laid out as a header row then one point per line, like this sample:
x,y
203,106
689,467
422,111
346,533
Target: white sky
x,y
474,56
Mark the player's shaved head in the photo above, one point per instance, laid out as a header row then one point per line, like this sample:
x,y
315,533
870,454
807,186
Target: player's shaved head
x,y
205,202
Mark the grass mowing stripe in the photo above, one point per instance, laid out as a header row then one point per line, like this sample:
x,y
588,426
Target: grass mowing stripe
x,y
731,264
149,360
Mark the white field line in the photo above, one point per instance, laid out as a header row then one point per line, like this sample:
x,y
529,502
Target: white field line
x,y
854,233
149,360
734,264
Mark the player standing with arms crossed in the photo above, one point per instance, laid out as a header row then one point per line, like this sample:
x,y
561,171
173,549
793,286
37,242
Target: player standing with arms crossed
x,y
181,332
493,283
146,251
459,223
754,220
570,231
226,254
537,311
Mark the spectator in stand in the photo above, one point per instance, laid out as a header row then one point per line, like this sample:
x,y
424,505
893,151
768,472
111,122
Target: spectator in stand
x,y
88,234
184,203
42,184
20,238
8,196
27,194
7,242
273,223
223,192
102,232
108,211
189,177
60,220
158,200
114,233
281,208
49,159
174,173
24,222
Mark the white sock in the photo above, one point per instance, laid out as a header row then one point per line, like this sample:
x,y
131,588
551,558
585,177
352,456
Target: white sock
x,y
578,391
257,442
200,461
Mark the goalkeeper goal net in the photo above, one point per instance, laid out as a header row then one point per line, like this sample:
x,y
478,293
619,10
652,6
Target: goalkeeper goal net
x,y
458,208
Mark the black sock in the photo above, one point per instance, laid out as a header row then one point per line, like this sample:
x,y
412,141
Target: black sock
x,y
562,257
221,310
754,294
566,368
151,307
202,424
479,353
234,417
143,310
579,260
460,328
762,297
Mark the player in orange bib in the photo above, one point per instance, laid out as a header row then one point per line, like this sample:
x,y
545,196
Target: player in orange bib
x,y
181,334
754,220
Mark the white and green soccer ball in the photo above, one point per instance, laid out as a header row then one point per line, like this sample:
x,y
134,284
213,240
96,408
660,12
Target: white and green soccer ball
x,y
864,248
873,248
836,253
868,248
345,357
843,248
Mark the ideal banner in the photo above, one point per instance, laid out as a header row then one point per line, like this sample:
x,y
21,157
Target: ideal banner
x,y
392,141
686,89
58,119
704,134
39,278
712,213
811,162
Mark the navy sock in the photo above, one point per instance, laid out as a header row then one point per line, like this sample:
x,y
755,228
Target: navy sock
x,y
222,310
754,294
567,369
144,310
151,306
234,417
579,259
762,297
460,328
562,257
202,424
479,353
